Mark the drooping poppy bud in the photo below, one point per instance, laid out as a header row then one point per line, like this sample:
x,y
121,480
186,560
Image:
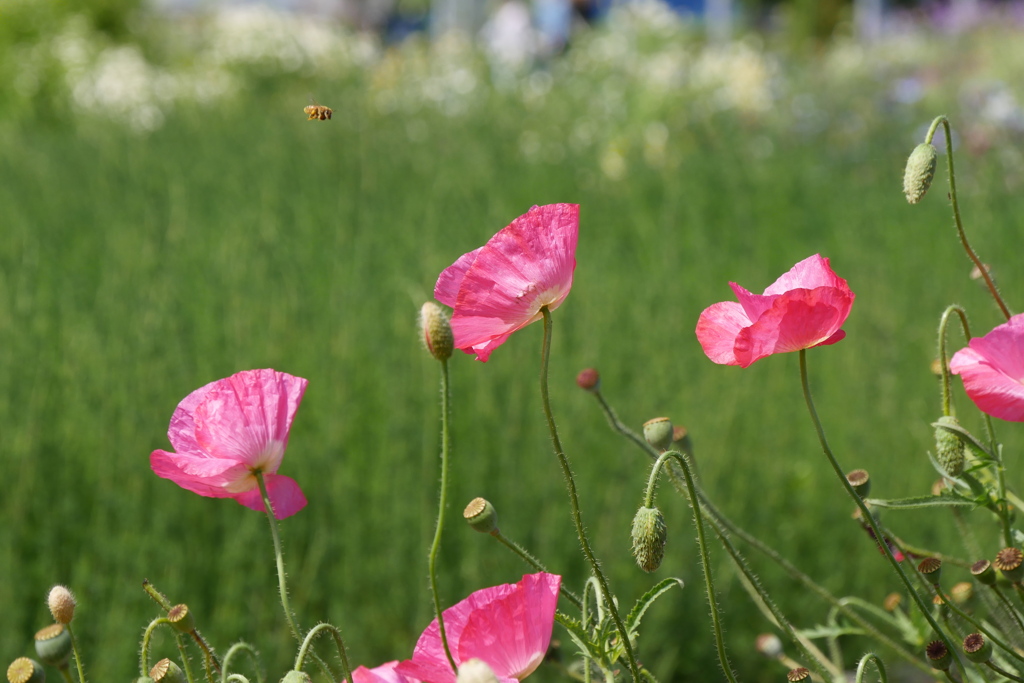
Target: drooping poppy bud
x,y
917,177
949,447
649,534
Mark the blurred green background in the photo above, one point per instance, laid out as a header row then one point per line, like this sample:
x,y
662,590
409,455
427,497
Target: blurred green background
x,y
140,261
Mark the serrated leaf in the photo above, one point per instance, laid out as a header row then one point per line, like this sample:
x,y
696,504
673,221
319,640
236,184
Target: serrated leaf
x,y
920,502
578,635
646,600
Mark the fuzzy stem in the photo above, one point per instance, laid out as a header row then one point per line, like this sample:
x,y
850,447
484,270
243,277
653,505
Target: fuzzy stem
x,y
868,517
346,670
441,505
241,646
574,503
78,654
179,639
1003,672
879,666
147,635
976,624
282,580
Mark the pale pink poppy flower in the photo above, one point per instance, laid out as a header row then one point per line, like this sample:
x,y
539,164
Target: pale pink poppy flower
x,y
992,368
226,431
385,673
508,627
501,287
806,307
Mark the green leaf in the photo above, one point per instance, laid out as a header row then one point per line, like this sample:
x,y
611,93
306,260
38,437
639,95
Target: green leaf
x,y
646,600
921,502
830,631
966,436
578,635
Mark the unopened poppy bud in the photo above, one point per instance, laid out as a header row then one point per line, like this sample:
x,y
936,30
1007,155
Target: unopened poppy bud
x,y
296,677
931,569
917,177
949,447
983,571
798,674
892,601
938,655
436,331
769,645
658,433
977,649
961,592
589,380
649,533
53,645
62,604
1010,561
475,671
181,619
25,670
482,516
860,480
166,671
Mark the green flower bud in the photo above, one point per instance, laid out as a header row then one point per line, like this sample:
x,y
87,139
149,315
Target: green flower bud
x,y
860,480
53,645
436,331
649,533
982,571
181,619
977,649
25,670
917,177
938,655
296,677
166,671
949,447
931,569
658,433
1010,561
482,516
62,604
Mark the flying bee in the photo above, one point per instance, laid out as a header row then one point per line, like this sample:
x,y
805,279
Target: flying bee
x,y
318,111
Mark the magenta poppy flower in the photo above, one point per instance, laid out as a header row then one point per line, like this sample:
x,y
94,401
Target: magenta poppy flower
x,y
385,673
501,287
804,308
992,368
226,431
508,627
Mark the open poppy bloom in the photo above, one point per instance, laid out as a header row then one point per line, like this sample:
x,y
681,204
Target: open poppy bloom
x,y
806,307
385,673
508,627
501,287
992,368
226,431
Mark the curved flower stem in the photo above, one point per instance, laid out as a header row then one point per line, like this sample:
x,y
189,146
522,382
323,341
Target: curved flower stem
x,y
943,359
879,666
236,678
77,653
147,635
1003,672
346,670
535,564
179,639
282,580
574,503
956,212
869,518
441,505
241,646
705,558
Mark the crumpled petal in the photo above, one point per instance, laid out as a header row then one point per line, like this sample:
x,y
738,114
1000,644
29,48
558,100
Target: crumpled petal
x,y
992,370
385,673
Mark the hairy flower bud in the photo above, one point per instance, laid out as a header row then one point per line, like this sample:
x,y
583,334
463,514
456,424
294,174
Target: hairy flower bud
x,y
296,677
62,604
658,432
649,533
588,380
53,645
917,177
949,447
482,516
436,331
25,670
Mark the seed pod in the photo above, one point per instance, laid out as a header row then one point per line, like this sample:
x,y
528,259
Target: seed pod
x,y
25,670
53,645
658,433
482,516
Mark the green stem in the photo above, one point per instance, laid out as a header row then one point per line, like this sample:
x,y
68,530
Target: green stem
x,y
705,557
956,213
943,360
442,504
282,580
241,646
78,654
346,669
1008,606
1003,672
863,664
179,639
147,635
574,503
869,518
535,564
976,624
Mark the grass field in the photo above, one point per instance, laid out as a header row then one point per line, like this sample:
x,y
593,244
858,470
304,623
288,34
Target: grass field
x,y
134,269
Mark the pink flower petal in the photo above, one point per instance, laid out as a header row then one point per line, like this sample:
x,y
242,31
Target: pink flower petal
x,y
992,370
450,281
285,496
385,673
717,329
199,474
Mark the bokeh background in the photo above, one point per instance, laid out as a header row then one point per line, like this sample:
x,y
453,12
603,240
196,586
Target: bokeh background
x,y
168,217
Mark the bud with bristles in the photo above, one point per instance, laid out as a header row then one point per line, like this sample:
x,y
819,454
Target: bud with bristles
x,y
860,480
917,177
931,569
62,604
476,671
938,655
982,571
977,649
1010,561
53,645
658,433
166,671
181,619
949,447
25,670
798,674
296,677
436,331
649,534
482,516
589,380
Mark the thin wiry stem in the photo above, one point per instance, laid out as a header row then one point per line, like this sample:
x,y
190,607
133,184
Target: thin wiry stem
x,y
441,505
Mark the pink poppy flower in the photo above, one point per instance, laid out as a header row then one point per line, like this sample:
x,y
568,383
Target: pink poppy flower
x,y
803,308
385,673
226,431
992,368
501,287
508,627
